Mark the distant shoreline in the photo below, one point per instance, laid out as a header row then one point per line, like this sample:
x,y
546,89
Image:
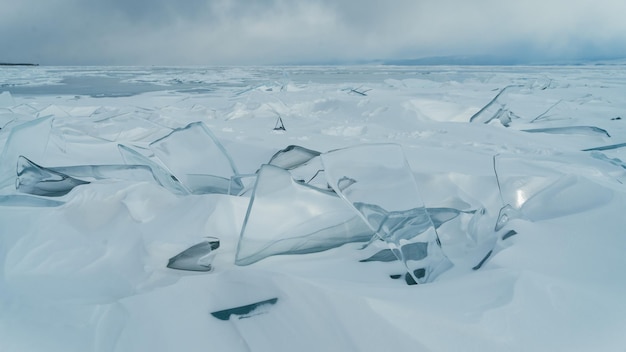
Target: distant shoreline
x,y
17,64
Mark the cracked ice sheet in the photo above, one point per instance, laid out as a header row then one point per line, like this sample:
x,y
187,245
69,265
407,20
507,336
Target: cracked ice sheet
x,y
197,158
287,217
377,181
547,187
557,286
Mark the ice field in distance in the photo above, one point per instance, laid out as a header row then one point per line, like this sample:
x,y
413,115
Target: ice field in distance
x,y
161,209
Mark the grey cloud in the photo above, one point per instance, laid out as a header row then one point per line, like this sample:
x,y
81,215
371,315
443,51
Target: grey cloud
x,y
281,31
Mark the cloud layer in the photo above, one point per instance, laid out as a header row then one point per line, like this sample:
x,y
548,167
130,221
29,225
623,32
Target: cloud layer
x,y
229,32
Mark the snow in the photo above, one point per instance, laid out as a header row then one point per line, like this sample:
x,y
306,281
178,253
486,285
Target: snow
x,y
87,271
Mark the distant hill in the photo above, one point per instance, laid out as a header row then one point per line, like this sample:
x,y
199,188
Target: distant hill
x,y
16,64
488,60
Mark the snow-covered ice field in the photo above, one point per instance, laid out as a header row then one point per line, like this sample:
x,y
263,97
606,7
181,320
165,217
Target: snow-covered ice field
x,y
85,269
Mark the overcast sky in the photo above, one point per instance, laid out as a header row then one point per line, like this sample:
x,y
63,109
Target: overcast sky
x,y
223,32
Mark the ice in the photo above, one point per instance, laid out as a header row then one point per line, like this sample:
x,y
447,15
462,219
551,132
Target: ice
x,y
197,158
304,165
58,181
606,147
288,217
163,176
292,157
29,138
377,181
88,271
37,180
580,130
6,100
541,188
243,312
497,108
19,200
195,258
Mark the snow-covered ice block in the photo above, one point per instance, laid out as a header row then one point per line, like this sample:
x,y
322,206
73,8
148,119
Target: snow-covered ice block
x,y
376,180
287,217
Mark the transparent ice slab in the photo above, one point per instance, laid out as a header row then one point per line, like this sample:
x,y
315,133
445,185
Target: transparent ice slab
x,y
58,181
546,187
304,164
288,217
377,181
29,138
497,109
40,181
162,176
579,130
198,160
195,258
292,156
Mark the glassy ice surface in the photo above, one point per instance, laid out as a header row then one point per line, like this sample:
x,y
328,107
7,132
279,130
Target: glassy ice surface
x,y
288,217
542,188
195,258
197,159
378,182
162,176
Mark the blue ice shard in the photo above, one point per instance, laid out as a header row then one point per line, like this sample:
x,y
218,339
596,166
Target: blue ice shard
x,y
497,109
288,217
198,160
28,138
40,181
244,311
292,157
197,257
58,181
542,188
376,180
304,165
577,130
162,175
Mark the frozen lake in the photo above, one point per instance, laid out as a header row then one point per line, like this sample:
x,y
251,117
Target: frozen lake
x,y
499,189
